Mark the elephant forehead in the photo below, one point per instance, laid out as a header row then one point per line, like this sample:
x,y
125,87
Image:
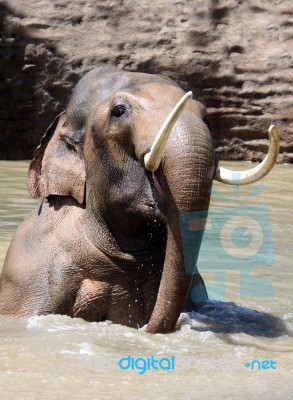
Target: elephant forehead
x,y
96,91
94,88
158,92
162,97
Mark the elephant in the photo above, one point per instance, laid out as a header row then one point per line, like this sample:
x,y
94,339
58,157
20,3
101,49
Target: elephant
x,y
115,170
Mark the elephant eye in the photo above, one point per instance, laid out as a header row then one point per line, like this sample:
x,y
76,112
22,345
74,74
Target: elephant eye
x,y
119,111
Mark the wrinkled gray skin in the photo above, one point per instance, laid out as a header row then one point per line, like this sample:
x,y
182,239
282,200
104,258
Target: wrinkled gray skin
x,y
105,242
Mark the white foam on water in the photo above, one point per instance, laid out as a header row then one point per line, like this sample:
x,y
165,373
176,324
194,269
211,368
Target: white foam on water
x,y
55,323
85,349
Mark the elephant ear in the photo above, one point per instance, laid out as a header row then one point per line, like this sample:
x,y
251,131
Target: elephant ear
x,y
58,165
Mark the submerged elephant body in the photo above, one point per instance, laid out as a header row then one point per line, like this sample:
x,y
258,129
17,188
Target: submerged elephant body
x,y
105,243
60,270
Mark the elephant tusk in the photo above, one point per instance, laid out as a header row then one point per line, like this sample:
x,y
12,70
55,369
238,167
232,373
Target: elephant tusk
x,y
252,175
153,159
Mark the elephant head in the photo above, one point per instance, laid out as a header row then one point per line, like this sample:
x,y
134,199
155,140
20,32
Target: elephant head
x,y
135,164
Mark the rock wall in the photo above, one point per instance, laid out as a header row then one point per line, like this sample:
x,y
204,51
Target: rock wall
x,y
235,55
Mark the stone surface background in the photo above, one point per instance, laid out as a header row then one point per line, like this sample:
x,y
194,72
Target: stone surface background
x,y
235,55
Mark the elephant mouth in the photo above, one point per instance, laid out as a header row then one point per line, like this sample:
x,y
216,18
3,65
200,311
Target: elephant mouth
x,y
158,185
158,192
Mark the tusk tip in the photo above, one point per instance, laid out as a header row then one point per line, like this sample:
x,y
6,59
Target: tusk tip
x,y
273,131
149,165
274,135
189,94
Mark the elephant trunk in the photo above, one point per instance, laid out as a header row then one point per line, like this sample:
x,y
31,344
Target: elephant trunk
x,y
186,175
187,168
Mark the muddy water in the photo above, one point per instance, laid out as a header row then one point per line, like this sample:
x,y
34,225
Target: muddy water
x,y
59,357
